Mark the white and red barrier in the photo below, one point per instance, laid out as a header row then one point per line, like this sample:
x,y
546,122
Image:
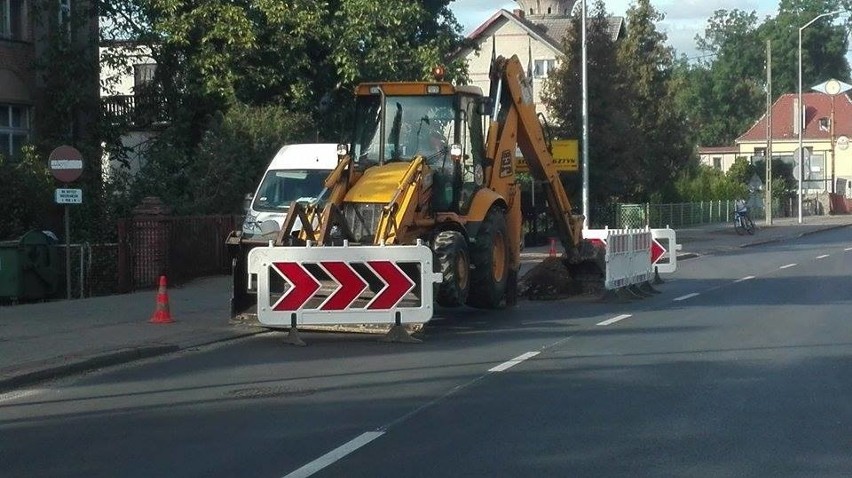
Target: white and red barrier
x,y
633,254
329,285
664,250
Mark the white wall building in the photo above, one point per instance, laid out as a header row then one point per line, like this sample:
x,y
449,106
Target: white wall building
x,y
534,32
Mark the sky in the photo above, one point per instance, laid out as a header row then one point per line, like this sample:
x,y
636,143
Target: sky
x,y
684,18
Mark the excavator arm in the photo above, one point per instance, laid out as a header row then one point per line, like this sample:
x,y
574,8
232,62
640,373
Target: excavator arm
x,y
514,122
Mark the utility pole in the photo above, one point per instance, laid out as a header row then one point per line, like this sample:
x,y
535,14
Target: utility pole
x,y
768,156
585,108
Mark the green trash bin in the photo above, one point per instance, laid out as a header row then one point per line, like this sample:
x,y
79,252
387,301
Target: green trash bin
x,y
29,268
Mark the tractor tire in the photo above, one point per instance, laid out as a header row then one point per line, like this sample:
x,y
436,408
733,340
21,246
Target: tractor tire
x,y
490,260
453,262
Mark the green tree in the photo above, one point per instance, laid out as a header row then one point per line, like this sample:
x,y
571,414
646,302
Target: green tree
x,y
824,43
614,163
303,56
733,94
741,171
662,144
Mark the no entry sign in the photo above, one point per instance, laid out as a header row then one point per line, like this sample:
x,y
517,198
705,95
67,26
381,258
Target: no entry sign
x,y
65,163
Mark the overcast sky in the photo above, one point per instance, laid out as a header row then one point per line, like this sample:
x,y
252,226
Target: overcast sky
x,y
684,18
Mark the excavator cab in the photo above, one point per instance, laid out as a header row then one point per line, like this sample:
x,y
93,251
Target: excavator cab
x,y
398,122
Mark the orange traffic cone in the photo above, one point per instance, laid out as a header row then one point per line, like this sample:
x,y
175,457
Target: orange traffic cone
x,y
162,315
552,247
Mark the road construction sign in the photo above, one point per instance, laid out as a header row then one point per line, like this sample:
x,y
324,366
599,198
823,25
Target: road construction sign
x,y
565,156
335,285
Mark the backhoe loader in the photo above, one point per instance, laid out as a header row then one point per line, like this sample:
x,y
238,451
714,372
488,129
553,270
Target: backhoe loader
x,y
423,206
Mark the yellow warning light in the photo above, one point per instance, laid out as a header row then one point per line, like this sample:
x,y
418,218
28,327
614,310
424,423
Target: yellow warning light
x,y
438,72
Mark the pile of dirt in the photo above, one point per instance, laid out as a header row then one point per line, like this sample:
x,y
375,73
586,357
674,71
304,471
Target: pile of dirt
x,y
549,280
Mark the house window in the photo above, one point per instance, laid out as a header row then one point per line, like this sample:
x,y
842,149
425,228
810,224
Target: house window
x,y
824,124
14,130
143,74
11,19
717,162
5,19
543,67
65,16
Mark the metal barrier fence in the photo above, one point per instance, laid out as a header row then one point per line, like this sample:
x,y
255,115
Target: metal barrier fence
x,y
94,269
678,215
182,248
538,225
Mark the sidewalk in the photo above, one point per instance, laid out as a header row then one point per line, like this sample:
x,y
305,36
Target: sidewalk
x,y
42,341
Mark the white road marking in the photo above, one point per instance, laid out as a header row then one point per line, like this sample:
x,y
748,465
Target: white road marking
x,y
335,455
515,361
744,279
687,296
8,396
615,319
788,266
848,249
822,256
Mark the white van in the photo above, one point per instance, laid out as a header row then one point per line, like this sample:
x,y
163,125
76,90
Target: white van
x,y
296,173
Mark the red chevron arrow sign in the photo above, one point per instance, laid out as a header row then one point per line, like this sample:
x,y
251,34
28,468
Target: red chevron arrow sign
x,y
303,286
397,284
342,285
657,251
350,285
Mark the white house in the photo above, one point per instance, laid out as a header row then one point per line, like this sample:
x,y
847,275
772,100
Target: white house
x,y
534,32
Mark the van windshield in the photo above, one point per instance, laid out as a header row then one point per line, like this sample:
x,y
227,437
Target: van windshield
x,y
281,187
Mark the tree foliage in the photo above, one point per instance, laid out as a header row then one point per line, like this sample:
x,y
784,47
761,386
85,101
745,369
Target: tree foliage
x,y
723,93
637,142
297,58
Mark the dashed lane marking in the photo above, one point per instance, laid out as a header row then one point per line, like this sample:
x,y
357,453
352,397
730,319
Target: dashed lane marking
x,y
615,319
788,266
515,361
9,396
744,279
335,455
822,256
687,296
848,249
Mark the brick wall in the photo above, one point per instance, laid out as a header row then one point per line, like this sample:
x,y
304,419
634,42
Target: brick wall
x,y
16,58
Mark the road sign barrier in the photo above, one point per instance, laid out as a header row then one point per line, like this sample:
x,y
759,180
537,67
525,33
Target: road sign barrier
x,y
628,255
328,285
666,242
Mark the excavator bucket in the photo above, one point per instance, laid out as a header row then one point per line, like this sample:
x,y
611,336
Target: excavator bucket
x,y
343,285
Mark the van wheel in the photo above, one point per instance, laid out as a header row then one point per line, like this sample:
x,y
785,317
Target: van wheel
x,y
490,259
453,261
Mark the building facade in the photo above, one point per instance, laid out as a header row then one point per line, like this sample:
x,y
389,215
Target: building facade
x,y
534,32
27,60
825,140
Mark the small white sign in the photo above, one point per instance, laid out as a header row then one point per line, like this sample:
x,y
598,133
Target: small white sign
x,y
843,143
66,164
69,196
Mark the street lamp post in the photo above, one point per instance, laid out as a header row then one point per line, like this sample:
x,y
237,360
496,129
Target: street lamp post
x,y
801,107
585,114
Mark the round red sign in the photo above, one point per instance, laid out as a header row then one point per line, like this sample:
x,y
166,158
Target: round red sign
x,y
66,163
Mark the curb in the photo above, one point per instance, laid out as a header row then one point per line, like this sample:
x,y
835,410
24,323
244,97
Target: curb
x,y
108,359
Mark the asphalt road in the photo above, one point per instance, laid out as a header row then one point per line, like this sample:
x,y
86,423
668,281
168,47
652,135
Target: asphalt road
x,y
742,366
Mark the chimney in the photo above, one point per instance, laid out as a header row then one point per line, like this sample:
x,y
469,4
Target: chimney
x,y
518,12
797,116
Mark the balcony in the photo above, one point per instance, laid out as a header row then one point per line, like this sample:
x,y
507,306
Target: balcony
x,y
136,111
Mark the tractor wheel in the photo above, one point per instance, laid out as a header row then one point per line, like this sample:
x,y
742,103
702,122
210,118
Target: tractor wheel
x,y
490,260
453,261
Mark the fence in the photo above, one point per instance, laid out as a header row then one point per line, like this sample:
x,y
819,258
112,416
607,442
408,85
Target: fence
x,y
677,215
538,225
183,248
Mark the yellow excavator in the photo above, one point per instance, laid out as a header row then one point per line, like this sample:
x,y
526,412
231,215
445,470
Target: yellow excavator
x,y
424,205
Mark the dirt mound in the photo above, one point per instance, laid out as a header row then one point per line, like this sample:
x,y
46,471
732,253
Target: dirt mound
x,y
548,280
